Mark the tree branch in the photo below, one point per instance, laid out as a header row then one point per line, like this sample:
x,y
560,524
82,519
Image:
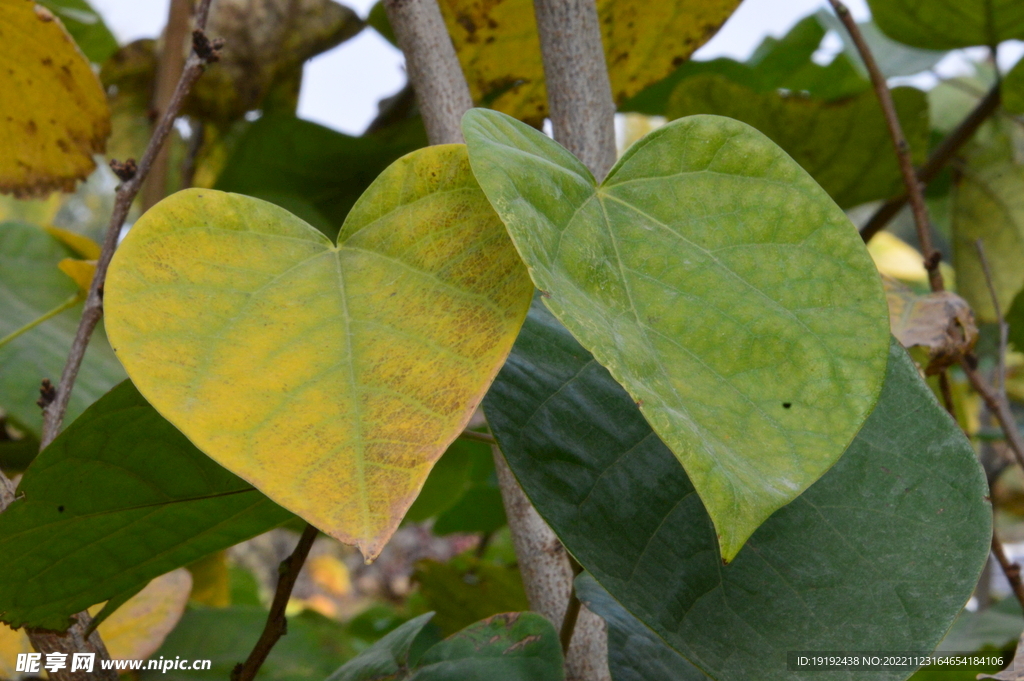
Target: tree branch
x,y
477,437
899,141
548,579
434,70
277,625
936,161
203,52
443,97
579,92
1010,569
74,639
999,408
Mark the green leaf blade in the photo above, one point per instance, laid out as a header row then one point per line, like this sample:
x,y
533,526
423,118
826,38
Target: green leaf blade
x,y
843,144
119,497
830,571
710,275
949,24
31,285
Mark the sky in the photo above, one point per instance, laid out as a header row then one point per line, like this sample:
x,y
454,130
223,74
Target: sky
x,y
341,87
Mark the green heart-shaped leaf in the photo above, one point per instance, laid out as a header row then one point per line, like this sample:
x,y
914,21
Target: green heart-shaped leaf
x,y
330,377
880,554
721,287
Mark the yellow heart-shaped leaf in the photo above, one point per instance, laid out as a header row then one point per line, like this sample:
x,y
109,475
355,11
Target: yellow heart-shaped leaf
x,y
330,377
55,111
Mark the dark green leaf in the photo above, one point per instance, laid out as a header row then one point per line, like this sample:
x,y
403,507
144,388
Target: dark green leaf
x,y
295,163
86,26
119,497
313,647
31,285
449,479
844,144
635,653
509,647
480,509
388,658
1015,320
1013,89
879,554
467,589
378,19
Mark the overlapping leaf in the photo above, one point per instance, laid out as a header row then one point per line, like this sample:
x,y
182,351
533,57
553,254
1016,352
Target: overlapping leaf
x,y
880,554
508,647
118,498
86,26
843,144
777,63
467,589
46,147
949,24
499,49
135,631
635,653
988,204
331,377
313,648
30,286
294,163
718,283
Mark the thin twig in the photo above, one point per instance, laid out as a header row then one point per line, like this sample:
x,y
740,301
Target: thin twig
x,y
947,394
899,141
572,609
277,625
936,161
74,640
434,70
203,53
477,437
1004,329
1010,569
999,407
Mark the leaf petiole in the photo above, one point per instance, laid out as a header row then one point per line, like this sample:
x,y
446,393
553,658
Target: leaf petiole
x,y
67,304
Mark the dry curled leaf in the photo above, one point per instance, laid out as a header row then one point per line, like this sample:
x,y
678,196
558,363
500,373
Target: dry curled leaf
x,y
942,323
46,146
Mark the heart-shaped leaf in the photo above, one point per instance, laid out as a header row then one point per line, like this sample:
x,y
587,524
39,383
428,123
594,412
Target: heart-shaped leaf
x,y
880,554
718,284
330,377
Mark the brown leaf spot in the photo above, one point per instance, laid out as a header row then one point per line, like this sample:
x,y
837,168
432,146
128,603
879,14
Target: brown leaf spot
x,y
519,645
